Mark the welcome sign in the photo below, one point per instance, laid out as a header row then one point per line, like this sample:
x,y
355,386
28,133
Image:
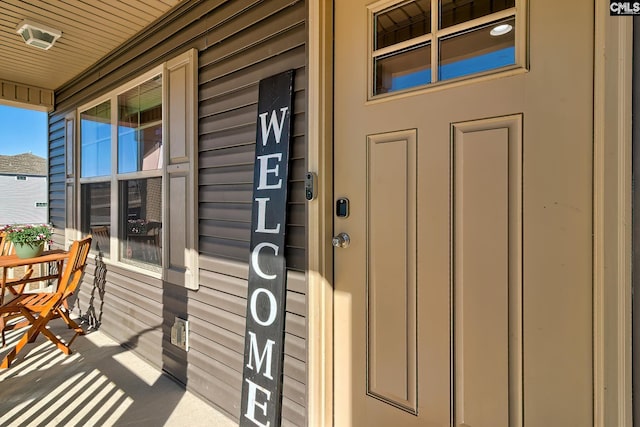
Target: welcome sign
x,y
264,335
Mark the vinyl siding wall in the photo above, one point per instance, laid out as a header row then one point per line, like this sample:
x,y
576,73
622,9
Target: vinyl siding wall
x,y
20,197
239,43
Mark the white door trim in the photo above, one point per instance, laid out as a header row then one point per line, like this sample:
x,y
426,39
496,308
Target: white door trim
x,y
612,219
320,215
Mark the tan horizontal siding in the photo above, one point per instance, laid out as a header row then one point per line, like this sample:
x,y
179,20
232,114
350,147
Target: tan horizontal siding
x,y
215,390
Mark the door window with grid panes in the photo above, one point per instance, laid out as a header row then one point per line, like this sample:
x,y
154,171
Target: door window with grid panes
x,y
417,43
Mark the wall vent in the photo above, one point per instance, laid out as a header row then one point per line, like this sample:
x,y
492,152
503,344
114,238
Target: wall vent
x,y
180,333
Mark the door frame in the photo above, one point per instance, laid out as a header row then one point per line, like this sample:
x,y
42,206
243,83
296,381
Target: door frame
x,y
612,334
611,217
320,214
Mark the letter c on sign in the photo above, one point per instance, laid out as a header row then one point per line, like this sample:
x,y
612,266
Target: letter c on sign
x,y
272,307
254,259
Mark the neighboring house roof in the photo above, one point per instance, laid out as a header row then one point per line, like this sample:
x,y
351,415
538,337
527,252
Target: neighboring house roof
x,y
23,164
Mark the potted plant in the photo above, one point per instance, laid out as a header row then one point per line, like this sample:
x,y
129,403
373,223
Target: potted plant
x,y
28,239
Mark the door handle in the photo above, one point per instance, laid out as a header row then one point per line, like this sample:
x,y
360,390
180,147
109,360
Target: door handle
x,y
342,240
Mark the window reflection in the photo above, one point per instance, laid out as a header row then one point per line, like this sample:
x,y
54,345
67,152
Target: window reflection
x,y
477,51
401,23
96,214
454,12
140,127
95,135
141,213
403,70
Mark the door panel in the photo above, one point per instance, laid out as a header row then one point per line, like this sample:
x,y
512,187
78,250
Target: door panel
x,y
487,289
391,246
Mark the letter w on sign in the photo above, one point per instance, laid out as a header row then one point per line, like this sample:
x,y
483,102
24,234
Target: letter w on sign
x,y
264,335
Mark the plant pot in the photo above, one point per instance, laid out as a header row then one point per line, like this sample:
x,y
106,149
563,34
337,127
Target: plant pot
x,y
24,250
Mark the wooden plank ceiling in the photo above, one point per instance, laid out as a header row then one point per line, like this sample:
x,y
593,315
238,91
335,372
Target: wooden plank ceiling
x,y
91,29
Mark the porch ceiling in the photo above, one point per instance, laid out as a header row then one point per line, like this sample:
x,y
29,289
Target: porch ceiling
x,y
91,29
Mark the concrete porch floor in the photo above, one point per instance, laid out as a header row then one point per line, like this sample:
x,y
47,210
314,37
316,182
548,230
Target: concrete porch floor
x,y
99,384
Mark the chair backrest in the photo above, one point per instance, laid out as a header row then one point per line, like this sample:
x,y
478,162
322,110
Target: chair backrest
x,y
74,268
6,247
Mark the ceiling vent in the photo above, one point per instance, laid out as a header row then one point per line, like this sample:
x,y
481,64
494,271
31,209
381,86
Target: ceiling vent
x,y
38,35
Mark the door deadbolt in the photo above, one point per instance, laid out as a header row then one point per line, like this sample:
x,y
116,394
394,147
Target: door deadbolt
x,y
342,207
342,240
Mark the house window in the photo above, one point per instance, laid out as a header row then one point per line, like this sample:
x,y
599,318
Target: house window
x,y
414,46
137,142
133,137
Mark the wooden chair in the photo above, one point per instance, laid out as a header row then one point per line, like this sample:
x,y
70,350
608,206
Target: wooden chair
x,y
5,244
40,308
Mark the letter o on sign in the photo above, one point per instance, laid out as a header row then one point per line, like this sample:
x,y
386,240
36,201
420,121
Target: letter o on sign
x,y
272,307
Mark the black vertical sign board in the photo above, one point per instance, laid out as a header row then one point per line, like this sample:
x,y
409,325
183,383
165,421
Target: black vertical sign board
x,y
264,335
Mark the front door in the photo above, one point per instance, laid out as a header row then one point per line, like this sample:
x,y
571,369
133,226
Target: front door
x,y
429,153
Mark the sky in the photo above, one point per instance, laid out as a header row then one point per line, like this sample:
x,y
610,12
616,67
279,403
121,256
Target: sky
x,y
22,131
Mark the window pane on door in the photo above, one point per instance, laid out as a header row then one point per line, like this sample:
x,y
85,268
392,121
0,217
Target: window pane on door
x,y
141,221
454,12
403,70
482,49
401,23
